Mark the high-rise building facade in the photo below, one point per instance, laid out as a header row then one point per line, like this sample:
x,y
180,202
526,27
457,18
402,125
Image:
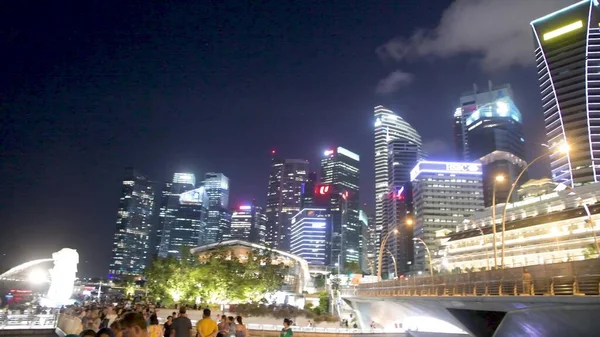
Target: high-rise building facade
x,y
218,218
169,208
403,155
340,171
568,58
368,243
284,197
388,127
491,130
131,244
311,236
248,223
444,194
185,227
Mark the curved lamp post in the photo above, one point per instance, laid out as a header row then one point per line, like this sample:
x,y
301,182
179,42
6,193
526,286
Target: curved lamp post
x,y
394,260
498,179
563,148
393,230
428,255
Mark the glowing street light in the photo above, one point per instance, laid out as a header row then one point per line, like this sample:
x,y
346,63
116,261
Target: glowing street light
x,y
563,148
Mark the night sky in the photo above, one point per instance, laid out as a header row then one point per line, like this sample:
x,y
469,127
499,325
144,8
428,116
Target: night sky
x,y
90,87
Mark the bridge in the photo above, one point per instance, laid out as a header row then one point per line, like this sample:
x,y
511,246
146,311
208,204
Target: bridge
x,y
553,300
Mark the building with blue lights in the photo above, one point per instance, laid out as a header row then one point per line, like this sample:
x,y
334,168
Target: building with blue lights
x,y
489,128
311,236
218,218
131,244
444,194
567,54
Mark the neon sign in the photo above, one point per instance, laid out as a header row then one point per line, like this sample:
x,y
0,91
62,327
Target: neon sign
x,y
322,189
462,167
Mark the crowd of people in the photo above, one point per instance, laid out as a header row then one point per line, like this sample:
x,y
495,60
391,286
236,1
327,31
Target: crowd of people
x,y
140,321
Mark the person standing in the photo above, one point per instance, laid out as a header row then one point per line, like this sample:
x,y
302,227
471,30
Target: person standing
x,y
182,326
231,322
223,327
167,326
133,324
154,329
287,329
207,327
240,328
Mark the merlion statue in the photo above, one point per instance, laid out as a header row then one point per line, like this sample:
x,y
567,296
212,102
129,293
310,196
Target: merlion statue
x,y
62,276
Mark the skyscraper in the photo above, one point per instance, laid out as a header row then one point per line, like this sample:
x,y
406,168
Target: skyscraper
x,y
131,244
492,132
284,196
185,225
169,208
248,223
218,219
339,169
568,58
311,236
388,127
444,194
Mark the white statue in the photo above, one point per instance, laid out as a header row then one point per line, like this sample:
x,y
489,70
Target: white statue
x,y
62,276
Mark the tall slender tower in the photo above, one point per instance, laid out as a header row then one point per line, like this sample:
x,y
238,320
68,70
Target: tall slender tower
x,y
568,59
218,219
388,127
131,244
284,198
339,169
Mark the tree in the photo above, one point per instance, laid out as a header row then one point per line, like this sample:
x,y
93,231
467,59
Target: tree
x,y
218,277
352,268
172,278
590,252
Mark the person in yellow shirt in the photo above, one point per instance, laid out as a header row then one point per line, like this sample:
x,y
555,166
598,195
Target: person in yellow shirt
x,y
206,327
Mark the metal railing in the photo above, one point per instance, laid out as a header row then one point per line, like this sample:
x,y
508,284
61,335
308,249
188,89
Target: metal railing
x,y
580,278
553,286
272,327
28,321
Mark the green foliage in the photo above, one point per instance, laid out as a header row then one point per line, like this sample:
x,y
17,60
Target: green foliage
x,y
352,268
218,278
590,252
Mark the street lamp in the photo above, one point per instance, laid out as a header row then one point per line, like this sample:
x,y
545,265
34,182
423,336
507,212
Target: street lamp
x,y
562,148
393,230
487,257
394,260
498,179
428,254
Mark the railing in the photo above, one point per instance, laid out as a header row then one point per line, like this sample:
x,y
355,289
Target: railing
x,y
271,327
27,321
580,285
576,278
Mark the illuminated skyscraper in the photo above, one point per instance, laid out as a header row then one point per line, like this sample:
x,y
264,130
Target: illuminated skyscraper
x,y
284,197
339,169
568,61
248,223
219,218
182,218
131,244
444,194
169,207
388,127
491,129
311,237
